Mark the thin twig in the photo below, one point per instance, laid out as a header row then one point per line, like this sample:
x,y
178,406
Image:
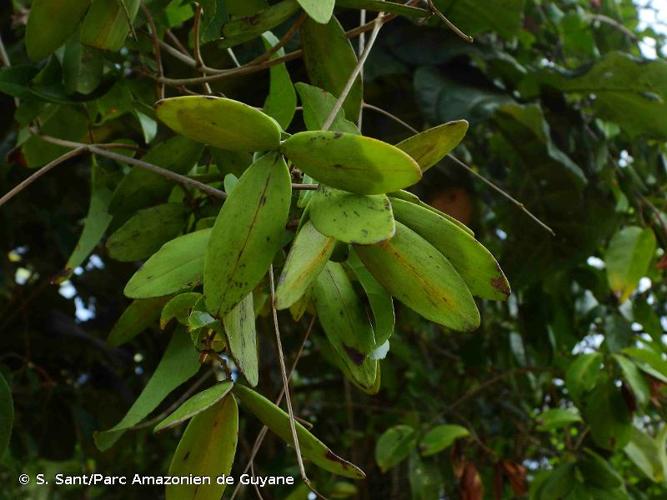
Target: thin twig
x,y
362,44
156,49
462,164
511,198
377,24
289,34
101,151
262,433
283,373
448,23
45,169
128,18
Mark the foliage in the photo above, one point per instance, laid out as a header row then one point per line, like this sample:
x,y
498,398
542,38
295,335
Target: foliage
x,y
358,246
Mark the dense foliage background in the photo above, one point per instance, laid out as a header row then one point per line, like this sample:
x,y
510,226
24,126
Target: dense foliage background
x,y
566,114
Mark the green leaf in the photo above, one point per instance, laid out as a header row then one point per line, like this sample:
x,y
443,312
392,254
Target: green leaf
x,y
583,374
136,318
179,363
247,233
279,423
627,259
330,60
239,326
317,104
558,484
432,145
6,414
195,405
412,198
146,232
469,257
597,472
634,378
629,91
179,308
351,217
354,163
390,7
307,257
557,418
95,224
394,446
206,449
82,67
280,103
342,316
440,438
608,416
220,122
648,453
319,11
379,299
246,28
141,188
414,272
177,266
426,482
107,23
50,24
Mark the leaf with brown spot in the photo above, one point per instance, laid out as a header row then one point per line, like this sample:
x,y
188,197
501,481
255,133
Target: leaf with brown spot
x,y
207,448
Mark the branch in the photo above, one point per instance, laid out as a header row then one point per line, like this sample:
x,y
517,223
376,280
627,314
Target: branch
x,y
448,23
156,49
460,163
45,169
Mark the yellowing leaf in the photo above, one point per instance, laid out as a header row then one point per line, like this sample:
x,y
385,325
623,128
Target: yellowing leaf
x,y
107,23
196,404
50,24
239,326
278,422
330,59
354,163
432,145
469,257
307,257
351,217
247,233
179,308
414,272
220,122
319,10
627,259
207,448
177,266
250,26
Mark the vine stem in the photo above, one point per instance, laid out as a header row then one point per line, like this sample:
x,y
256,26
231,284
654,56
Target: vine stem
x,y
39,173
288,398
262,433
468,168
377,25
448,23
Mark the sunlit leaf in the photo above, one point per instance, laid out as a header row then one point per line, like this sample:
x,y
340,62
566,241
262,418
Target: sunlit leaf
x,y
195,405
627,259
220,122
432,145
440,438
